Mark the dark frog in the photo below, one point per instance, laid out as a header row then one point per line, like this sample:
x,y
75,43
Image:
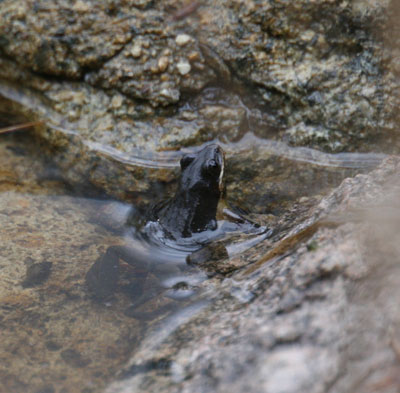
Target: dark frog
x,y
179,231
193,209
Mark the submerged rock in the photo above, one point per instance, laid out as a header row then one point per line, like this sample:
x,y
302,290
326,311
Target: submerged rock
x,y
48,316
50,327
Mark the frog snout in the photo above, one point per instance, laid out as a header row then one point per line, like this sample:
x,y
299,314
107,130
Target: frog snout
x,y
218,154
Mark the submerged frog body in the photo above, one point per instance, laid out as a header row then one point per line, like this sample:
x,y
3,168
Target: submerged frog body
x,y
193,209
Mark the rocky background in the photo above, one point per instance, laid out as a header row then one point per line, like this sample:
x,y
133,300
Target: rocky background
x,y
115,79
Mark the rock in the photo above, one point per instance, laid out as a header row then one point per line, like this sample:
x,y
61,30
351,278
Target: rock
x,y
183,39
208,257
340,321
74,358
183,67
123,92
163,63
317,65
125,85
50,327
102,277
55,307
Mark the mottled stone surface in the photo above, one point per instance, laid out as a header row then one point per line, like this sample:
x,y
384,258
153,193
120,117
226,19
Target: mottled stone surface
x,y
53,336
319,66
118,84
301,302
268,177
47,36
320,318
50,327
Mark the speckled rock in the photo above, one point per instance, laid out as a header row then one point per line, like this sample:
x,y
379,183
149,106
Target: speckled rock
x,y
50,327
64,37
320,67
112,154
319,318
154,68
120,86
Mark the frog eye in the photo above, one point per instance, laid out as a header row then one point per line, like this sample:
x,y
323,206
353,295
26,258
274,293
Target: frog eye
x,y
186,160
212,166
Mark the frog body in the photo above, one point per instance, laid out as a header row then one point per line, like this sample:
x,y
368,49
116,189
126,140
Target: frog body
x,y
193,209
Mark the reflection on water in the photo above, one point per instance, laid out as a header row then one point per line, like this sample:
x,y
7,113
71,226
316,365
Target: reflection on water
x,y
148,272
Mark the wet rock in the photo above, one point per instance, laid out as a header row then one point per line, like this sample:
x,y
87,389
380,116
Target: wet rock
x,y
157,312
48,244
161,365
127,84
208,257
314,316
45,318
269,177
53,346
74,358
102,277
318,66
46,389
180,291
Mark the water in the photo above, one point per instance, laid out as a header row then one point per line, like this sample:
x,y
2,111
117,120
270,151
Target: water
x,y
51,237
50,326
80,333
82,291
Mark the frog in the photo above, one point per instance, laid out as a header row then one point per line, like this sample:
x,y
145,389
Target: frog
x,y
174,229
193,209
